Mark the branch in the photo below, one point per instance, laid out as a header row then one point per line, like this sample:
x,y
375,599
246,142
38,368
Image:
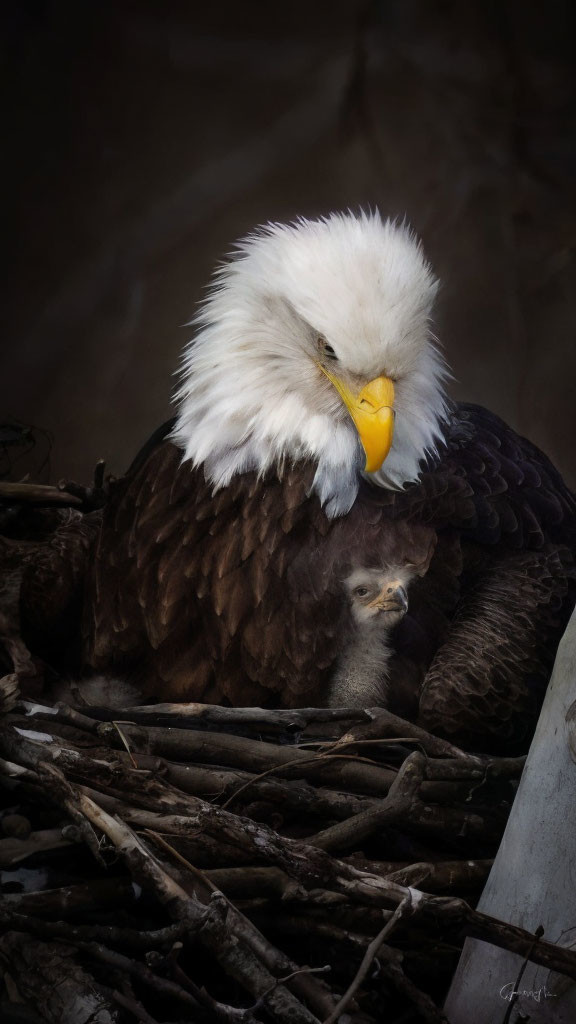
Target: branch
x,y
37,494
404,907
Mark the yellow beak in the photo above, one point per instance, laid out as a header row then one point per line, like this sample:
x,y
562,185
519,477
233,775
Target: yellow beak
x,y
373,415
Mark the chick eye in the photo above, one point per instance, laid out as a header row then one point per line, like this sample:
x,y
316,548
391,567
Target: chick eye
x,y
325,349
361,591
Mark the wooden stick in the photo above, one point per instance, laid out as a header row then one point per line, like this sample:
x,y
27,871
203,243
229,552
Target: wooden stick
x,y
48,977
254,755
275,961
207,923
401,797
291,721
428,1012
36,494
384,724
443,874
13,851
108,935
368,959
85,897
404,803
314,868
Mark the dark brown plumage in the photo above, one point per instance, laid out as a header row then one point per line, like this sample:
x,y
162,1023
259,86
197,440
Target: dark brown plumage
x,y
43,560
237,596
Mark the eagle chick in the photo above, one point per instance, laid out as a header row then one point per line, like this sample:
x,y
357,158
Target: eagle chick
x,y
378,601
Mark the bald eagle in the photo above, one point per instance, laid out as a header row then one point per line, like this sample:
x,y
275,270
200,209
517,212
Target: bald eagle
x,y
314,435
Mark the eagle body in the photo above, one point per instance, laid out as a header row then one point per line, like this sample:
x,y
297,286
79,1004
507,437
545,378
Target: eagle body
x,y
313,439
238,597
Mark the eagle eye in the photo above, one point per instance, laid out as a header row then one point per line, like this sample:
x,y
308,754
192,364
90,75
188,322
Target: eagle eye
x,y
325,349
361,591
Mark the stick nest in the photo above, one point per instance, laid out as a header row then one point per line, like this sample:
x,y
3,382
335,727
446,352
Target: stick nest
x,y
204,864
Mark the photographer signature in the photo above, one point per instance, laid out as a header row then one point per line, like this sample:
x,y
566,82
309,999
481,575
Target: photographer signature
x,y
509,992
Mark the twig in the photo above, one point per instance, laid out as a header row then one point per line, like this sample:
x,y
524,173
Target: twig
x,y
314,868
48,976
129,1003
97,895
125,742
291,721
398,803
207,922
66,795
371,952
257,756
427,1010
242,927
443,874
126,966
37,494
301,972
298,762
404,803
220,1011
385,724
139,941
13,851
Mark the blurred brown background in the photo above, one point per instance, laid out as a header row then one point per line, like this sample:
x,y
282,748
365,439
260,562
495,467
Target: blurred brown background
x,y
142,138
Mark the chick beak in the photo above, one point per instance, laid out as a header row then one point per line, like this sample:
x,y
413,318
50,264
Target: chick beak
x,y
392,598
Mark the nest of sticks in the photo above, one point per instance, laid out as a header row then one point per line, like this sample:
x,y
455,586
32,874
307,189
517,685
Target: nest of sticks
x,y
205,864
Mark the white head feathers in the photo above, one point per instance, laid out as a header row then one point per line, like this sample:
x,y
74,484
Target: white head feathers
x,y
252,395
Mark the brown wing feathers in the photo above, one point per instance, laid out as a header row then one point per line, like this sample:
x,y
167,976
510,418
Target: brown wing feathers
x,y
246,583
237,596
485,683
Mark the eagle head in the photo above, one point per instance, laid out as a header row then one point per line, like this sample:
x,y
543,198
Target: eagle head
x,y
378,596
314,345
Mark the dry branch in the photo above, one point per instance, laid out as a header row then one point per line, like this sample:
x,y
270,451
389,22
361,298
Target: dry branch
x,y
369,956
49,976
253,755
13,850
98,894
37,494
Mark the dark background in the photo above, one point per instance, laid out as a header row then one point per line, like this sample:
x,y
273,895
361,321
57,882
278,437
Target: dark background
x,y
142,138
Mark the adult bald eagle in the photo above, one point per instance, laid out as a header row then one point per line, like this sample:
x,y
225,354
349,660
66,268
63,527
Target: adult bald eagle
x,y
314,435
